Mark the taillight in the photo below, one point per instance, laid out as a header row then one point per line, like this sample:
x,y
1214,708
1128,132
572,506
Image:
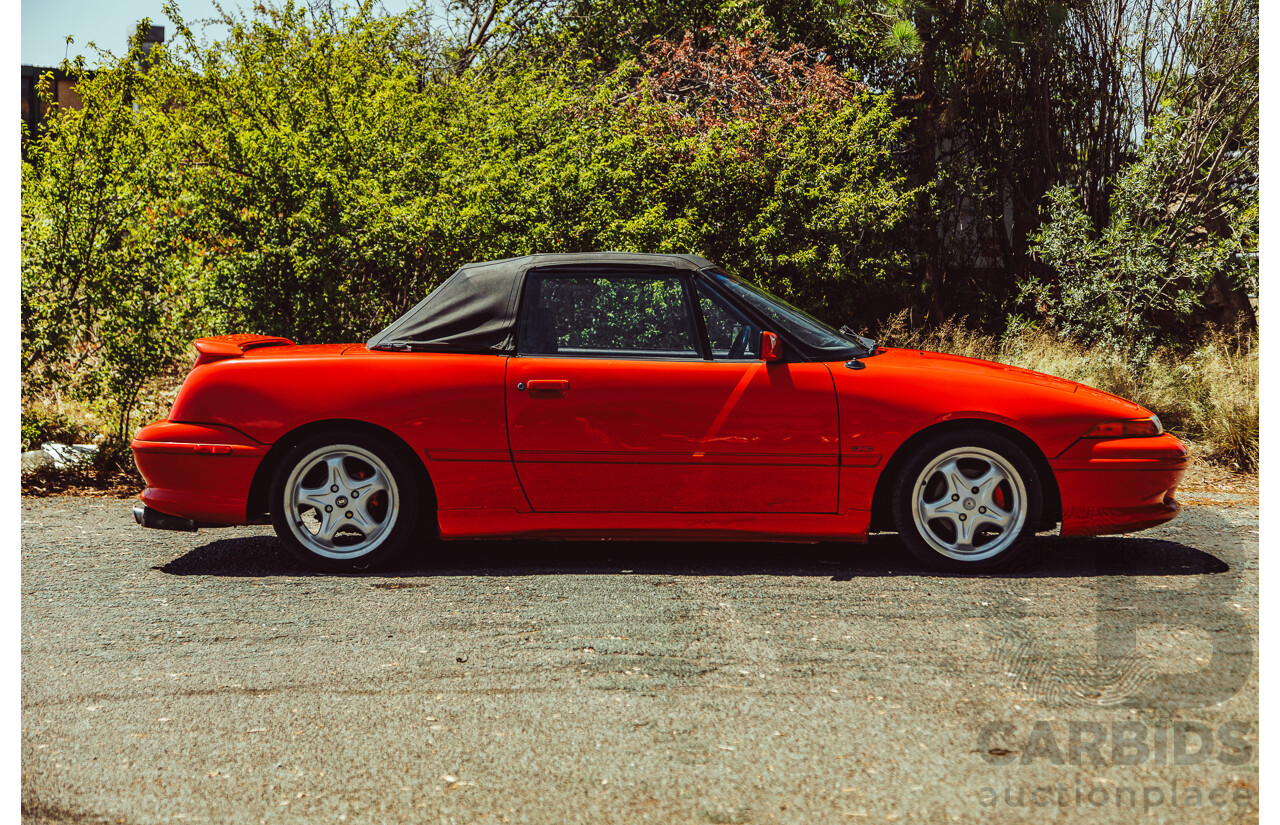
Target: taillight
x,y
1127,428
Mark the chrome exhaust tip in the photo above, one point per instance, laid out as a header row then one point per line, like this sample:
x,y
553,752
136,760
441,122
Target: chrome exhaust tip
x,y
147,517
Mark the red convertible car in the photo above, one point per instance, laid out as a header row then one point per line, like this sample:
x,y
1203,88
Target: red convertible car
x,y
617,395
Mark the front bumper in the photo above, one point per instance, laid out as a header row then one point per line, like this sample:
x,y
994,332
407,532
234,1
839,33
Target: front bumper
x,y
198,472
1119,485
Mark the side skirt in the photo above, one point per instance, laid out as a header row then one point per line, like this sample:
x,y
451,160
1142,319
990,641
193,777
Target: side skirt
x,y
473,524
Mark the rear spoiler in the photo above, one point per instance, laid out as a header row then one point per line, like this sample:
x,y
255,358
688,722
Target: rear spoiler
x,y
234,346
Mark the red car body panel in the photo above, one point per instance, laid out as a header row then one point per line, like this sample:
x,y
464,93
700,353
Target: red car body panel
x,y
664,437
641,448
485,523
1119,485
198,471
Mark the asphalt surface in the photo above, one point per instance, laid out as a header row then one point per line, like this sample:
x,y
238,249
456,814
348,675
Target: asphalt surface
x,y
176,678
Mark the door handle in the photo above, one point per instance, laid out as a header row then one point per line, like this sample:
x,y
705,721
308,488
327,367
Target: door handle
x,y
558,386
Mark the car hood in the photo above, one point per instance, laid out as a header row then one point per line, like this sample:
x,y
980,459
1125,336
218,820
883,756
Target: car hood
x,y
982,370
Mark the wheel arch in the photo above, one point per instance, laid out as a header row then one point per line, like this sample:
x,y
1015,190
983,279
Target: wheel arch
x,y
881,501
260,486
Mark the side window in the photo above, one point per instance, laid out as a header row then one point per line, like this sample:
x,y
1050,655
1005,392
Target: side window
x,y
607,315
733,338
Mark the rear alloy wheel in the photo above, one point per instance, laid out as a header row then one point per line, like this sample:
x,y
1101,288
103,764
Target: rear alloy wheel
x,y
344,503
967,501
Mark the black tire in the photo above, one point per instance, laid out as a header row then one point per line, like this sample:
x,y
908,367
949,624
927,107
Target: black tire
x,y
964,534
332,470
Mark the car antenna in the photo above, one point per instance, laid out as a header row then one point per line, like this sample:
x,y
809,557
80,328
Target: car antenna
x,y
864,342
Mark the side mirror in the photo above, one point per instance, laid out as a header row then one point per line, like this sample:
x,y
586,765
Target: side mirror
x,y
770,347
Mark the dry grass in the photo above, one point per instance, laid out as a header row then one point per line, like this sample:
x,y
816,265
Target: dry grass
x,y
58,417
1208,398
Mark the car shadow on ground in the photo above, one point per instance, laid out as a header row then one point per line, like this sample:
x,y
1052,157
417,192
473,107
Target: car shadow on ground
x,y
883,555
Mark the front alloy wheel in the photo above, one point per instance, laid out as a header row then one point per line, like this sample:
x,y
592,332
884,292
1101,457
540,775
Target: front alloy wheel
x,y
342,503
967,501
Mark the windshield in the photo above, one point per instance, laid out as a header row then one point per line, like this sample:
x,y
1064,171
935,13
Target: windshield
x,y
810,331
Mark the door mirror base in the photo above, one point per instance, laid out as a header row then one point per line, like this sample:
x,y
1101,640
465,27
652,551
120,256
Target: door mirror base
x,y
770,347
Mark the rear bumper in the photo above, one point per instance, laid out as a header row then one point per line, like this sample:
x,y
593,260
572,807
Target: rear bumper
x,y
1119,485
199,472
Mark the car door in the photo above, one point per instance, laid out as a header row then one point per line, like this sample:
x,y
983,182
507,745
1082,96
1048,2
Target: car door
x,y
634,391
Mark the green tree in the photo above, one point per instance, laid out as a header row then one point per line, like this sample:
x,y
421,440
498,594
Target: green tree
x,y
1139,253
304,175
107,297
1138,282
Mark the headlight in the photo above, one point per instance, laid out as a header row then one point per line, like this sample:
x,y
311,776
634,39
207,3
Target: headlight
x,y
1127,428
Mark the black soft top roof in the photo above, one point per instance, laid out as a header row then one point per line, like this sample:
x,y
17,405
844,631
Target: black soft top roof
x,y
475,309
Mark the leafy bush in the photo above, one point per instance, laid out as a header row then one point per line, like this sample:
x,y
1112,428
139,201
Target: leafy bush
x,y
108,295
297,177
1131,286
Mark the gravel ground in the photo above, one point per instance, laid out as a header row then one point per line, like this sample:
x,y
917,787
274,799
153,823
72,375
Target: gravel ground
x,y
174,677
